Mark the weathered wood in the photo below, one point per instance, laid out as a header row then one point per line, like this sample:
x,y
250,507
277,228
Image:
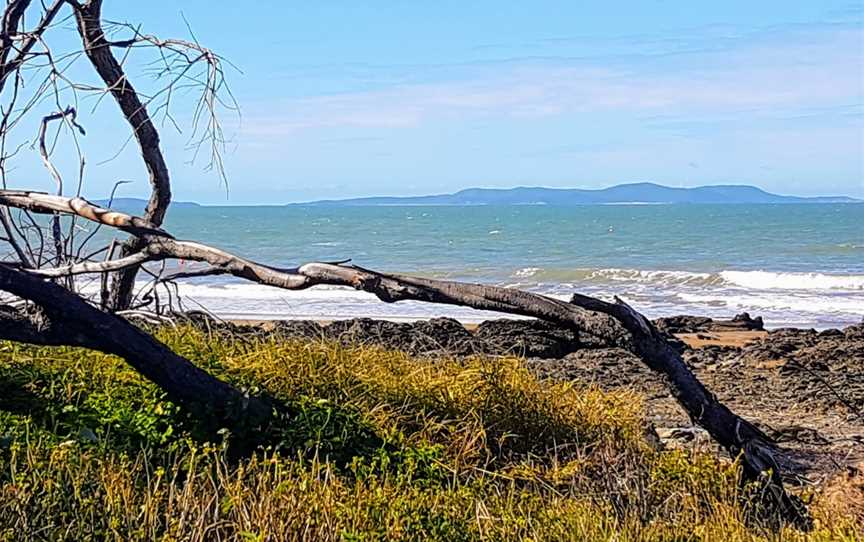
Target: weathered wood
x,y
617,322
98,49
42,203
66,319
12,17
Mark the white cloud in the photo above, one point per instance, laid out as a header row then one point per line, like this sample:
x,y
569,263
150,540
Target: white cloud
x,y
800,67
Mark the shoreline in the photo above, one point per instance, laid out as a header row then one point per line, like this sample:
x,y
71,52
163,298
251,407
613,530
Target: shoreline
x,y
245,317
471,324
816,299
694,339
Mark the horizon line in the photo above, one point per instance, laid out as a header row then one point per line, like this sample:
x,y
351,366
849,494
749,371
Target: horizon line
x,y
498,188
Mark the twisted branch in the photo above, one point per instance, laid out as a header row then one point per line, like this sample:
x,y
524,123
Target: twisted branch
x,y
582,313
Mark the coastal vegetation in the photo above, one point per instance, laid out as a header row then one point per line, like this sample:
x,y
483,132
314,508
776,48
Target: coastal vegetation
x,y
373,445
113,427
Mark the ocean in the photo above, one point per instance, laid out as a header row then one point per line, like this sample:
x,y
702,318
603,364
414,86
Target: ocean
x,y
794,264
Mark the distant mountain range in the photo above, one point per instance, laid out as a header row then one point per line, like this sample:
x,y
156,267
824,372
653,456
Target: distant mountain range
x,y
635,193
646,193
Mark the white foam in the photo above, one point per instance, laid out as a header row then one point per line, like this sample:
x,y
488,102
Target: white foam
x,y
581,276
783,298
250,291
527,272
803,303
751,280
650,276
766,280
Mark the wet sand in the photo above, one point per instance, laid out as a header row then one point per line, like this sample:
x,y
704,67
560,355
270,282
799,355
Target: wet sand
x,y
737,339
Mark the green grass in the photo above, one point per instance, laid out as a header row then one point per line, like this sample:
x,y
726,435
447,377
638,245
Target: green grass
x,y
377,446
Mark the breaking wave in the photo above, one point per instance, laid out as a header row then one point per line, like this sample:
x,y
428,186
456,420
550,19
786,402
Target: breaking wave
x,y
782,298
760,280
764,280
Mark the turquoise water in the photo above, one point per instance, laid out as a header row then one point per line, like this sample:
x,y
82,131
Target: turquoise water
x,y
794,264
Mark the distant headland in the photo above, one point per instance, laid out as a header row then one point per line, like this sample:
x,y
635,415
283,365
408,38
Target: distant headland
x,y
634,193
622,194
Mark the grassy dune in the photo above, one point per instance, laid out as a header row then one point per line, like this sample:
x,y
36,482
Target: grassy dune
x,y
377,446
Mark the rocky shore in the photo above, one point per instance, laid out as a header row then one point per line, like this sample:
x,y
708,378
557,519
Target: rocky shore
x,y
803,387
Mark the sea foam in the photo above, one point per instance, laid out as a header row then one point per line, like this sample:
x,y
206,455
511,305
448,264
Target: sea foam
x,y
766,280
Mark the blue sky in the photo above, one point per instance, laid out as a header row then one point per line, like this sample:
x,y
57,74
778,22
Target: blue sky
x,y
342,99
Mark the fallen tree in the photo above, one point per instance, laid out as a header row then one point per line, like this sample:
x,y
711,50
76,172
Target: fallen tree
x,y
613,321
65,319
53,313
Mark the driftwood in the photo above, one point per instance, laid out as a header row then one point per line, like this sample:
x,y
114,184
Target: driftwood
x,y
615,321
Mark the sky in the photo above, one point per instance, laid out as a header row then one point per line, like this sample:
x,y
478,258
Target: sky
x,y
344,99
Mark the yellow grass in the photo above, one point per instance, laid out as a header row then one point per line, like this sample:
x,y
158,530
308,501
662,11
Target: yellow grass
x,y
378,446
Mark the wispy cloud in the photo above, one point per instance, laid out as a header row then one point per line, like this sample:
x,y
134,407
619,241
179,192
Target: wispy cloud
x,y
780,69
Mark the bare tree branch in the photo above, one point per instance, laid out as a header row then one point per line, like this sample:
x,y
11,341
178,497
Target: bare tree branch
x,y
42,203
11,19
582,313
69,320
95,267
56,233
206,272
6,221
98,50
65,318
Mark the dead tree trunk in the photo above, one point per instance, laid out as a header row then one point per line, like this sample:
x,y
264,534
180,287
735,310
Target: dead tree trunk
x,y
66,319
585,314
98,49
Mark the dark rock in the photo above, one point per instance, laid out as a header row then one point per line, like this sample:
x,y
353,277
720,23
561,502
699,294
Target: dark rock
x,y
855,332
199,318
609,368
676,343
792,332
299,329
529,338
444,335
701,324
683,324
824,368
739,322
439,335
753,324
708,355
798,433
